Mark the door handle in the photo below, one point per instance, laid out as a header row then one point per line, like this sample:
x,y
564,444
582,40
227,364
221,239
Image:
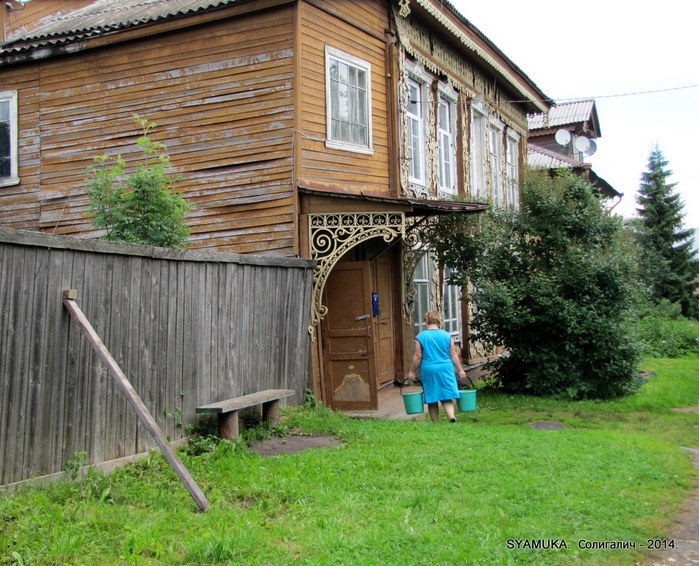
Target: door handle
x,y
362,317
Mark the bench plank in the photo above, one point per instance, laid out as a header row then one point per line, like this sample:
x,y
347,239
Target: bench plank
x,y
250,400
227,411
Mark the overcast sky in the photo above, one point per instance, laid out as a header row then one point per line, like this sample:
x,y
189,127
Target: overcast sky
x,y
608,50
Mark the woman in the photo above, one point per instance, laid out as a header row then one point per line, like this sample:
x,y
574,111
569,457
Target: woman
x,y
436,356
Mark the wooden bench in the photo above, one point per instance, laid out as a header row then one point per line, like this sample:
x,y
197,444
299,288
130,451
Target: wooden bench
x,y
227,411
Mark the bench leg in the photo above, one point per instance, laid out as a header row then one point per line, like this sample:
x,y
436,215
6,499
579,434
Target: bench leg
x,y
270,412
228,425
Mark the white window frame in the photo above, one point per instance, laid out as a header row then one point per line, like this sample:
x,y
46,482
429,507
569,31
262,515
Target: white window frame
x,y
10,97
478,149
495,149
451,305
421,307
446,139
512,164
333,54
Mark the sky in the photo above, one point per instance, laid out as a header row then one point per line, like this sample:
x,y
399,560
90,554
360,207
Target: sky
x,y
609,50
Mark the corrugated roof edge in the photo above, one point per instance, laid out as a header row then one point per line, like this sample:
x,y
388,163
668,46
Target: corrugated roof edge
x,y
545,99
52,33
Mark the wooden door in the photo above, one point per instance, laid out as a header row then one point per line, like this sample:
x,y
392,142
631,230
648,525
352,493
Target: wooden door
x,y
348,347
385,323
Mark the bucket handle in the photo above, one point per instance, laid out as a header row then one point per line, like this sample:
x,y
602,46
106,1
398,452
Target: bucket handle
x,y
403,387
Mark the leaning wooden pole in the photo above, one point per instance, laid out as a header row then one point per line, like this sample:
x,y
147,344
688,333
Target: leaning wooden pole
x,y
69,297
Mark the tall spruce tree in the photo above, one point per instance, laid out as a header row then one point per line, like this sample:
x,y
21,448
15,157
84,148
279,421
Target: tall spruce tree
x,y
670,264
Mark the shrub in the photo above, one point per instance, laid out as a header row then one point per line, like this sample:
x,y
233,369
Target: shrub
x,y
555,284
665,333
143,207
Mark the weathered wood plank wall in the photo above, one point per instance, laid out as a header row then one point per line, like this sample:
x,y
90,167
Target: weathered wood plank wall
x,y
222,96
188,328
357,29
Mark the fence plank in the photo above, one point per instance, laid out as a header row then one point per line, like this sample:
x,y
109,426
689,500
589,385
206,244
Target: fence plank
x,y
137,404
210,325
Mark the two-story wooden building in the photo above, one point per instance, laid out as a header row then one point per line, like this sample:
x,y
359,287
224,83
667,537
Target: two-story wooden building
x,y
322,129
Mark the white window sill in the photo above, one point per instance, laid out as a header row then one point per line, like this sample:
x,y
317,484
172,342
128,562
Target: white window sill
x,y
9,181
343,146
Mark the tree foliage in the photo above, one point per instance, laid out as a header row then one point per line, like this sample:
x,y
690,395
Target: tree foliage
x,y
670,263
141,207
554,283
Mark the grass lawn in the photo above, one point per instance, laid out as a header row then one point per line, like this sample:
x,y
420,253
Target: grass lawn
x,y
482,491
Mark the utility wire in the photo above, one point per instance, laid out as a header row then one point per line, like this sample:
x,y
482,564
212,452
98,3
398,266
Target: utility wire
x,y
630,93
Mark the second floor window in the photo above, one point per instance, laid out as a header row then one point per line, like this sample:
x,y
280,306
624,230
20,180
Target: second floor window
x,y
447,145
8,138
416,133
478,151
496,149
512,160
348,93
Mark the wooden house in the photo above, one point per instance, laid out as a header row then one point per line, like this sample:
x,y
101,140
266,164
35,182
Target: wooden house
x,y
563,137
322,129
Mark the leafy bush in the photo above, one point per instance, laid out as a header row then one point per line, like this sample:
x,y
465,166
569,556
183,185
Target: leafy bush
x,y
555,284
665,333
143,207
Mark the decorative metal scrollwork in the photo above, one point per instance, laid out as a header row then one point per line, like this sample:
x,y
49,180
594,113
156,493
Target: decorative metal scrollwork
x,y
332,235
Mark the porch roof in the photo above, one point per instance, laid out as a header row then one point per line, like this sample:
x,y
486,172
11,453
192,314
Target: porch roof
x,y
408,205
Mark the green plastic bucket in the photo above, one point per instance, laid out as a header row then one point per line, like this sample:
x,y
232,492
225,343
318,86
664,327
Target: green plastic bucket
x,y
414,402
467,400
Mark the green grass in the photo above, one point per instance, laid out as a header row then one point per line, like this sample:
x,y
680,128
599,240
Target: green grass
x,y
395,493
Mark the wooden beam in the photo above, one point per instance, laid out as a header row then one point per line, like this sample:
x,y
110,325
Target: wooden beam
x,y
147,419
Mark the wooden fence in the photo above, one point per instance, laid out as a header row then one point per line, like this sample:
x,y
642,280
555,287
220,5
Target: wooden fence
x,y
188,328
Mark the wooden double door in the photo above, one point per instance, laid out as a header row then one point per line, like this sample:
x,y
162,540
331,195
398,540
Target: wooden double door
x,y
360,332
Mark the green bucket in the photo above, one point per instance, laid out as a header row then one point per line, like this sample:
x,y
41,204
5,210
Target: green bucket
x,y
467,400
414,402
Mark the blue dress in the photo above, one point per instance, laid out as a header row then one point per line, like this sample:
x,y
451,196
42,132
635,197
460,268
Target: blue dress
x,y
436,368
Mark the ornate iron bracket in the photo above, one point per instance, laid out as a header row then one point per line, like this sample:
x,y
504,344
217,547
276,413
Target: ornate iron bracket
x,y
332,235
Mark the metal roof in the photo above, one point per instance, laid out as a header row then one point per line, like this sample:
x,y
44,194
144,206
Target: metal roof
x,y
541,158
410,206
104,16
564,114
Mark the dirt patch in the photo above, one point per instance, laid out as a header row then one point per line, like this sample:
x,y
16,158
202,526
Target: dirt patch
x,y
688,410
293,443
547,425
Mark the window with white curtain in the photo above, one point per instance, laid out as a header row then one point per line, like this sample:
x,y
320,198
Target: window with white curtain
x,y
446,139
416,132
496,143
8,139
348,101
478,150
512,159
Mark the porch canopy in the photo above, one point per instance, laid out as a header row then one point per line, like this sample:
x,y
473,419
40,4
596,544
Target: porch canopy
x,y
337,220
411,207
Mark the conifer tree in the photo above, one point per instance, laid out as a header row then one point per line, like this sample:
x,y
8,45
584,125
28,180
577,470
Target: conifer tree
x,y
670,264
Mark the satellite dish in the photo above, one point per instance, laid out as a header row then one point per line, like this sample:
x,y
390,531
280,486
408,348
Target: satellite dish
x,y
582,144
562,137
592,149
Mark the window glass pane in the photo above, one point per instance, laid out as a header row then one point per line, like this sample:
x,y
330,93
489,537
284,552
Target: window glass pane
x,y
5,150
5,140
414,98
349,104
361,79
